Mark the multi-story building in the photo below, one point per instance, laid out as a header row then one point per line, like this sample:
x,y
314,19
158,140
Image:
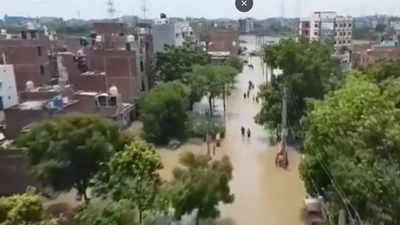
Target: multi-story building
x,y
223,43
246,25
329,27
29,54
165,32
8,89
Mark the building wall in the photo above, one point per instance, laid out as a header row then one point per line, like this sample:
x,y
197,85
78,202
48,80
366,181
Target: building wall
x,y
15,175
17,119
164,34
8,87
222,40
30,59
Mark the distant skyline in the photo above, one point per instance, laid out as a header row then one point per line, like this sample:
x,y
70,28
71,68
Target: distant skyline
x,y
96,9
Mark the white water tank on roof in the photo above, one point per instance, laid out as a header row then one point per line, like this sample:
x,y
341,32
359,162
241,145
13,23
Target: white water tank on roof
x,y
113,91
99,38
130,38
30,85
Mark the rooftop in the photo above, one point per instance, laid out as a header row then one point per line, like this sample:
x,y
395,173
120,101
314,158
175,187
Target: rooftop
x,y
31,105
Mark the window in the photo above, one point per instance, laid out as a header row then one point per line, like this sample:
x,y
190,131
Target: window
x,y
39,50
349,24
141,66
315,33
349,41
9,97
349,33
316,25
42,72
1,85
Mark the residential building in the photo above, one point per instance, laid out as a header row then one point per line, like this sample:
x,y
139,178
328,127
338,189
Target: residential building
x,y
8,88
223,43
166,32
246,25
329,27
29,54
368,54
42,103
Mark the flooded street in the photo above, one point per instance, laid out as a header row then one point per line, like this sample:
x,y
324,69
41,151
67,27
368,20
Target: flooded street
x,y
264,194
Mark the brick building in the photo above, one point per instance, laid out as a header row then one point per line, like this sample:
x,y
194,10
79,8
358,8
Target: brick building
x,y
223,43
29,55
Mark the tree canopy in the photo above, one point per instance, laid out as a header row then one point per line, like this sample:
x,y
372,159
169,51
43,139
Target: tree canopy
x,y
66,152
132,174
352,146
163,112
175,61
309,71
201,185
26,209
210,80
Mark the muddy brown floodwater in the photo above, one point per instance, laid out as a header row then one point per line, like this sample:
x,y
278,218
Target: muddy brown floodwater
x,y
264,194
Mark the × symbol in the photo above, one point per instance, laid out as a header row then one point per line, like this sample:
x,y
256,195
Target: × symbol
x,y
244,5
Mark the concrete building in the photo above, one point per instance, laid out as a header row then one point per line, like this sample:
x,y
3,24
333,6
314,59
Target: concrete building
x,y
40,104
246,25
8,88
367,54
169,33
29,54
330,27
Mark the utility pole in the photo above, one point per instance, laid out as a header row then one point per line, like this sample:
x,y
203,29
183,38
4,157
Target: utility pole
x,y
284,131
110,8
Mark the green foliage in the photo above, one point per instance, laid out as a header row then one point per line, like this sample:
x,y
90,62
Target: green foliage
x,y
26,209
201,185
210,80
174,62
309,71
163,112
235,62
132,174
67,151
353,136
108,213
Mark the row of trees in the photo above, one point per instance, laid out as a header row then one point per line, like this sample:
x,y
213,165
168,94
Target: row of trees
x,y
84,152
348,127
185,77
309,72
352,145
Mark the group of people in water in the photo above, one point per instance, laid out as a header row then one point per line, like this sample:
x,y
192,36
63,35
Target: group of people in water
x,y
249,89
243,130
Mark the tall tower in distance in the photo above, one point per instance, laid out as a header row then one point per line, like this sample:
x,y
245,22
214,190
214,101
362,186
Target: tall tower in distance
x,y
144,8
110,8
283,9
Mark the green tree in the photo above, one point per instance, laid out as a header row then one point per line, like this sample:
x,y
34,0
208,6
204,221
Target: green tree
x,y
24,209
201,185
174,62
212,81
163,112
235,62
309,72
66,152
108,213
351,146
132,174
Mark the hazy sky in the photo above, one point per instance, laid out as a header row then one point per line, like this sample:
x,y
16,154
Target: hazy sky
x,y
195,8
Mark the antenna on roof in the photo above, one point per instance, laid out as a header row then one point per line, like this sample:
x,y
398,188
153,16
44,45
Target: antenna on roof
x,y
144,8
110,8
